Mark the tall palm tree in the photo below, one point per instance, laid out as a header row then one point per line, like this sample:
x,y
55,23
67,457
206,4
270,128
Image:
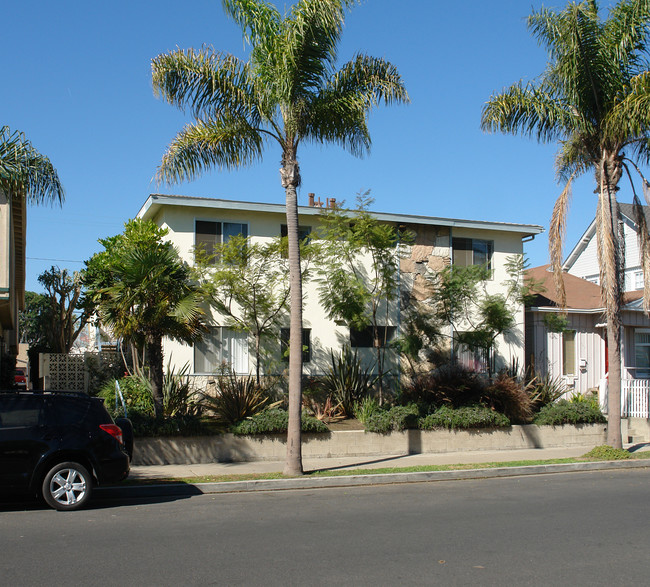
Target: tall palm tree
x,y
593,98
287,92
25,173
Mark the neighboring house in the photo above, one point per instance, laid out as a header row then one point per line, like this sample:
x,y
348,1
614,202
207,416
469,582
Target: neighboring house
x,y
579,354
12,272
583,259
438,242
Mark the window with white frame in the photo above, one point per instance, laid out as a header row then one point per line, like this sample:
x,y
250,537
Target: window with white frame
x,y
472,251
209,234
221,347
638,280
642,352
569,352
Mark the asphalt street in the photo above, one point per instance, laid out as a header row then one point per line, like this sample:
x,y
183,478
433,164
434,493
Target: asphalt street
x,y
585,528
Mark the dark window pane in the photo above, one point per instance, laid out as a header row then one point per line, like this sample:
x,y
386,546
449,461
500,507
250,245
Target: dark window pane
x,y
306,344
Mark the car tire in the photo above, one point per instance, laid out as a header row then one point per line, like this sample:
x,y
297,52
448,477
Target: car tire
x,y
67,486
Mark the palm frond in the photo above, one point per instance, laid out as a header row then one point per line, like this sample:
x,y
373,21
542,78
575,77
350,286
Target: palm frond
x,y
203,145
214,85
556,234
527,111
24,172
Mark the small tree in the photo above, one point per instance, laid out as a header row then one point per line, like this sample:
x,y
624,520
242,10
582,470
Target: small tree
x,y
359,276
248,284
66,314
141,289
460,300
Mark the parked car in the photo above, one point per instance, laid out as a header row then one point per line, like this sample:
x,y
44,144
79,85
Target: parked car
x,y
20,378
58,445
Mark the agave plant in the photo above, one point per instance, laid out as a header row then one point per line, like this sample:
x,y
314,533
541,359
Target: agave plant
x,y
180,399
346,382
236,398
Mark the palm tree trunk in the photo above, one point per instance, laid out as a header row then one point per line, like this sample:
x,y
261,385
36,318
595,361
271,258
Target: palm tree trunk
x,y
611,274
290,175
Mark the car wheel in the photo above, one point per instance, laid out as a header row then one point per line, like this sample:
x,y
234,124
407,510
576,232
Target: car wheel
x,y
67,486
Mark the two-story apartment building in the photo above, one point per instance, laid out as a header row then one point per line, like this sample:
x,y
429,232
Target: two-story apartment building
x,y
193,221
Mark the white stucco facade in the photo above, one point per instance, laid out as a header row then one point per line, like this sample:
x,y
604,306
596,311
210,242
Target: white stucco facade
x,y
432,250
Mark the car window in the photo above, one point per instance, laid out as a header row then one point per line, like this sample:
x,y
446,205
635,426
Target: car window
x,y
20,412
69,411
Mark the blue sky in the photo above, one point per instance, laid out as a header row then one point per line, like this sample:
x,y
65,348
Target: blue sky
x,y
78,84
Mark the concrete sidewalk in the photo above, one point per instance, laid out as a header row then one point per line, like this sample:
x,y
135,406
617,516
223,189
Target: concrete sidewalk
x,y
148,474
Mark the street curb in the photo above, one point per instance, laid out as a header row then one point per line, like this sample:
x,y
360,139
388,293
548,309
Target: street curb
x,y
189,489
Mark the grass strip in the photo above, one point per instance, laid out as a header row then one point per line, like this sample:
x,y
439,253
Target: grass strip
x,y
382,471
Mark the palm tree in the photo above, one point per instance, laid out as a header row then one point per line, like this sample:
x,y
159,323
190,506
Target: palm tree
x,y
288,92
25,173
151,297
593,98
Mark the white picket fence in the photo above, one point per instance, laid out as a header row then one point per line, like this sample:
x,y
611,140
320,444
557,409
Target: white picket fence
x,y
635,398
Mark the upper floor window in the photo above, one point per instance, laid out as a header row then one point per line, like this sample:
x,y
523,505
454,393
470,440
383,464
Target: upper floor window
x,y
472,251
638,280
210,233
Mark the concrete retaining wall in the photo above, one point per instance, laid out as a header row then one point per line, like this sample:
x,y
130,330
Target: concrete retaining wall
x,y
230,448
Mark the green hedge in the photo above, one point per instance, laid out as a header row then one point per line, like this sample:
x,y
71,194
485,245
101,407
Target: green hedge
x,y
275,421
397,418
566,412
464,418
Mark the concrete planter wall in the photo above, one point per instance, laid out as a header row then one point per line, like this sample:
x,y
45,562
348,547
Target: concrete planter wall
x,y
230,448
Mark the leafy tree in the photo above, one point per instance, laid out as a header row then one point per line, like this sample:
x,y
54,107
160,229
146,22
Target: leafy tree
x,y
65,314
359,278
287,93
460,299
248,284
33,320
143,292
594,99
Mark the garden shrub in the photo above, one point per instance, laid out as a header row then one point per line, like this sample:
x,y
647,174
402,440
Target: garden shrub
x,y
464,418
275,421
136,391
545,390
450,385
396,418
508,396
146,425
365,408
607,453
235,398
347,382
567,412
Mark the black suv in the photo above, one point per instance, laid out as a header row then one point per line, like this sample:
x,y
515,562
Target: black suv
x,y
59,444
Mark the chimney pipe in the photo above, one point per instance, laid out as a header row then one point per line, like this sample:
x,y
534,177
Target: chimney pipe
x,y
311,199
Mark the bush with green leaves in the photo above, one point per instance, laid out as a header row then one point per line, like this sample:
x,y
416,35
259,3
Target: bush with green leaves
x,y
607,453
347,382
180,425
464,418
366,408
235,398
275,421
396,418
136,391
567,412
